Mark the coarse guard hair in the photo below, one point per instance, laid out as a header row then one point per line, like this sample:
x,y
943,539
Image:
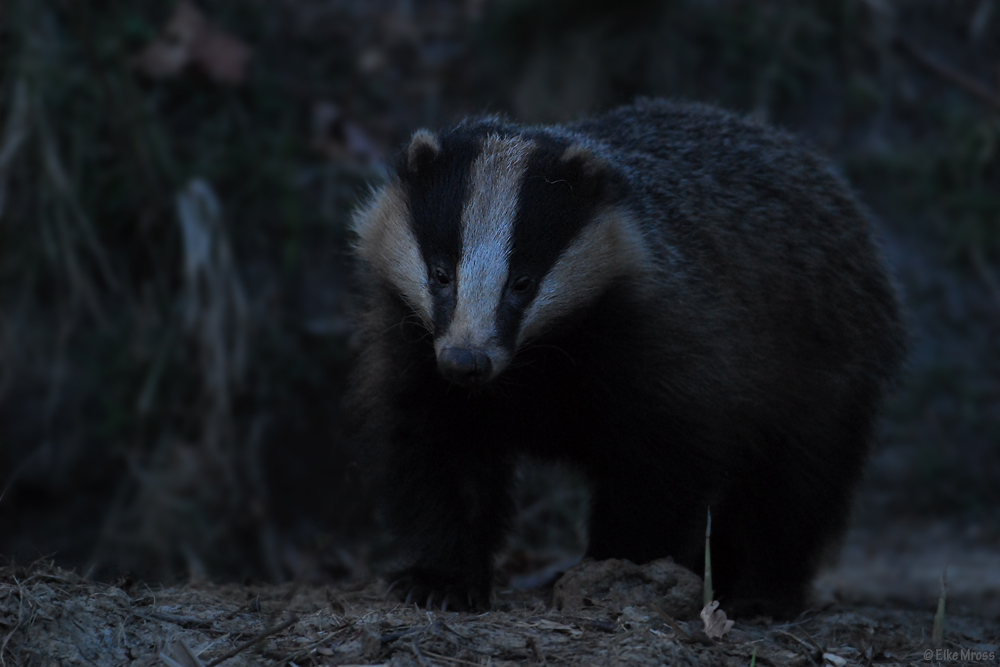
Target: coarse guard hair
x,y
688,306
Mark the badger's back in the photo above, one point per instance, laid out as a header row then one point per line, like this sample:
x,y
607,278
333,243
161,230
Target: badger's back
x,y
764,245
689,306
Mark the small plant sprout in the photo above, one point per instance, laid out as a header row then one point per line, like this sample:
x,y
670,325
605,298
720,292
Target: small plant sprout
x,y
938,636
753,657
709,593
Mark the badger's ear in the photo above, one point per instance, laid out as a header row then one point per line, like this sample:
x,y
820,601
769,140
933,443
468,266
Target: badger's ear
x,y
423,148
583,158
589,171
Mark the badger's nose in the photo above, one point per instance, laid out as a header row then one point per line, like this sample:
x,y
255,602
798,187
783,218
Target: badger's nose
x,y
464,366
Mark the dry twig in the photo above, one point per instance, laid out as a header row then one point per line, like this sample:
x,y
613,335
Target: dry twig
x,y
672,623
420,656
247,644
954,76
176,619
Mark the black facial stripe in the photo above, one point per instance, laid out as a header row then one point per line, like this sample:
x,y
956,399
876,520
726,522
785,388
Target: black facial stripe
x,y
557,199
437,193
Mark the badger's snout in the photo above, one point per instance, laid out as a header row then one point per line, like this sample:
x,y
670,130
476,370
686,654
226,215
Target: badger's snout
x,y
466,366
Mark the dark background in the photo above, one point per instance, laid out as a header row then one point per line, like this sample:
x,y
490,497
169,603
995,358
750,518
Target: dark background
x,y
170,379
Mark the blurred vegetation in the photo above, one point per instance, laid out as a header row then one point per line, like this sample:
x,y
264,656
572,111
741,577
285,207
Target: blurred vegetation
x,y
174,333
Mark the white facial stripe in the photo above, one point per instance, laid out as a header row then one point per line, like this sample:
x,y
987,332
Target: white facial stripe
x,y
387,243
609,247
487,235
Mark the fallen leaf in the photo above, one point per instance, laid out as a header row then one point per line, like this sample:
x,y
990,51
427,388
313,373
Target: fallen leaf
x,y
190,40
546,624
180,655
834,659
341,139
716,624
172,51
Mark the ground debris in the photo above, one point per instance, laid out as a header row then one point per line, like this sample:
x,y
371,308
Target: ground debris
x,y
662,582
50,616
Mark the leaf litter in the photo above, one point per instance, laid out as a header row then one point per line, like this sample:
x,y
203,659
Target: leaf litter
x,y
51,616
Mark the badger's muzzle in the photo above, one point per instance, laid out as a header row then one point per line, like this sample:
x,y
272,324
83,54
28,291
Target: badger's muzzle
x,y
465,366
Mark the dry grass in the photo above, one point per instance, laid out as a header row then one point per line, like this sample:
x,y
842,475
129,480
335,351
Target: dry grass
x,y
122,298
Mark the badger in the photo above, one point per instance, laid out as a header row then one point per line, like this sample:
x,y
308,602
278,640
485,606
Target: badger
x,y
688,306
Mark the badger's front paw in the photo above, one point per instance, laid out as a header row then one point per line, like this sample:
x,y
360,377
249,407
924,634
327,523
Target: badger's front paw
x,y
431,590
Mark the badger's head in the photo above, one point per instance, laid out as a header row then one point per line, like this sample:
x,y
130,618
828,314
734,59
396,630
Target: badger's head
x,y
492,235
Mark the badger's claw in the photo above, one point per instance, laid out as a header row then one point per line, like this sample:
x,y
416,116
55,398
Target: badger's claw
x,y
413,587
401,583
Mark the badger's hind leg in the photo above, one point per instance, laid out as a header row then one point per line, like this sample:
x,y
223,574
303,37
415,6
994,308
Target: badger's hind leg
x,y
647,505
788,500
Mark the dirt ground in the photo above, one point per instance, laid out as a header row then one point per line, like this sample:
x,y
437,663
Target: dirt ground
x,y
875,607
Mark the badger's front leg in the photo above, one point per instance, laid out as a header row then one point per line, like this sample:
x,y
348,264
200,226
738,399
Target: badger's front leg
x,y
449,502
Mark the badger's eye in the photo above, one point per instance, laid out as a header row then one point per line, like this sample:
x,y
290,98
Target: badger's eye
x,y
521,285
441,276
